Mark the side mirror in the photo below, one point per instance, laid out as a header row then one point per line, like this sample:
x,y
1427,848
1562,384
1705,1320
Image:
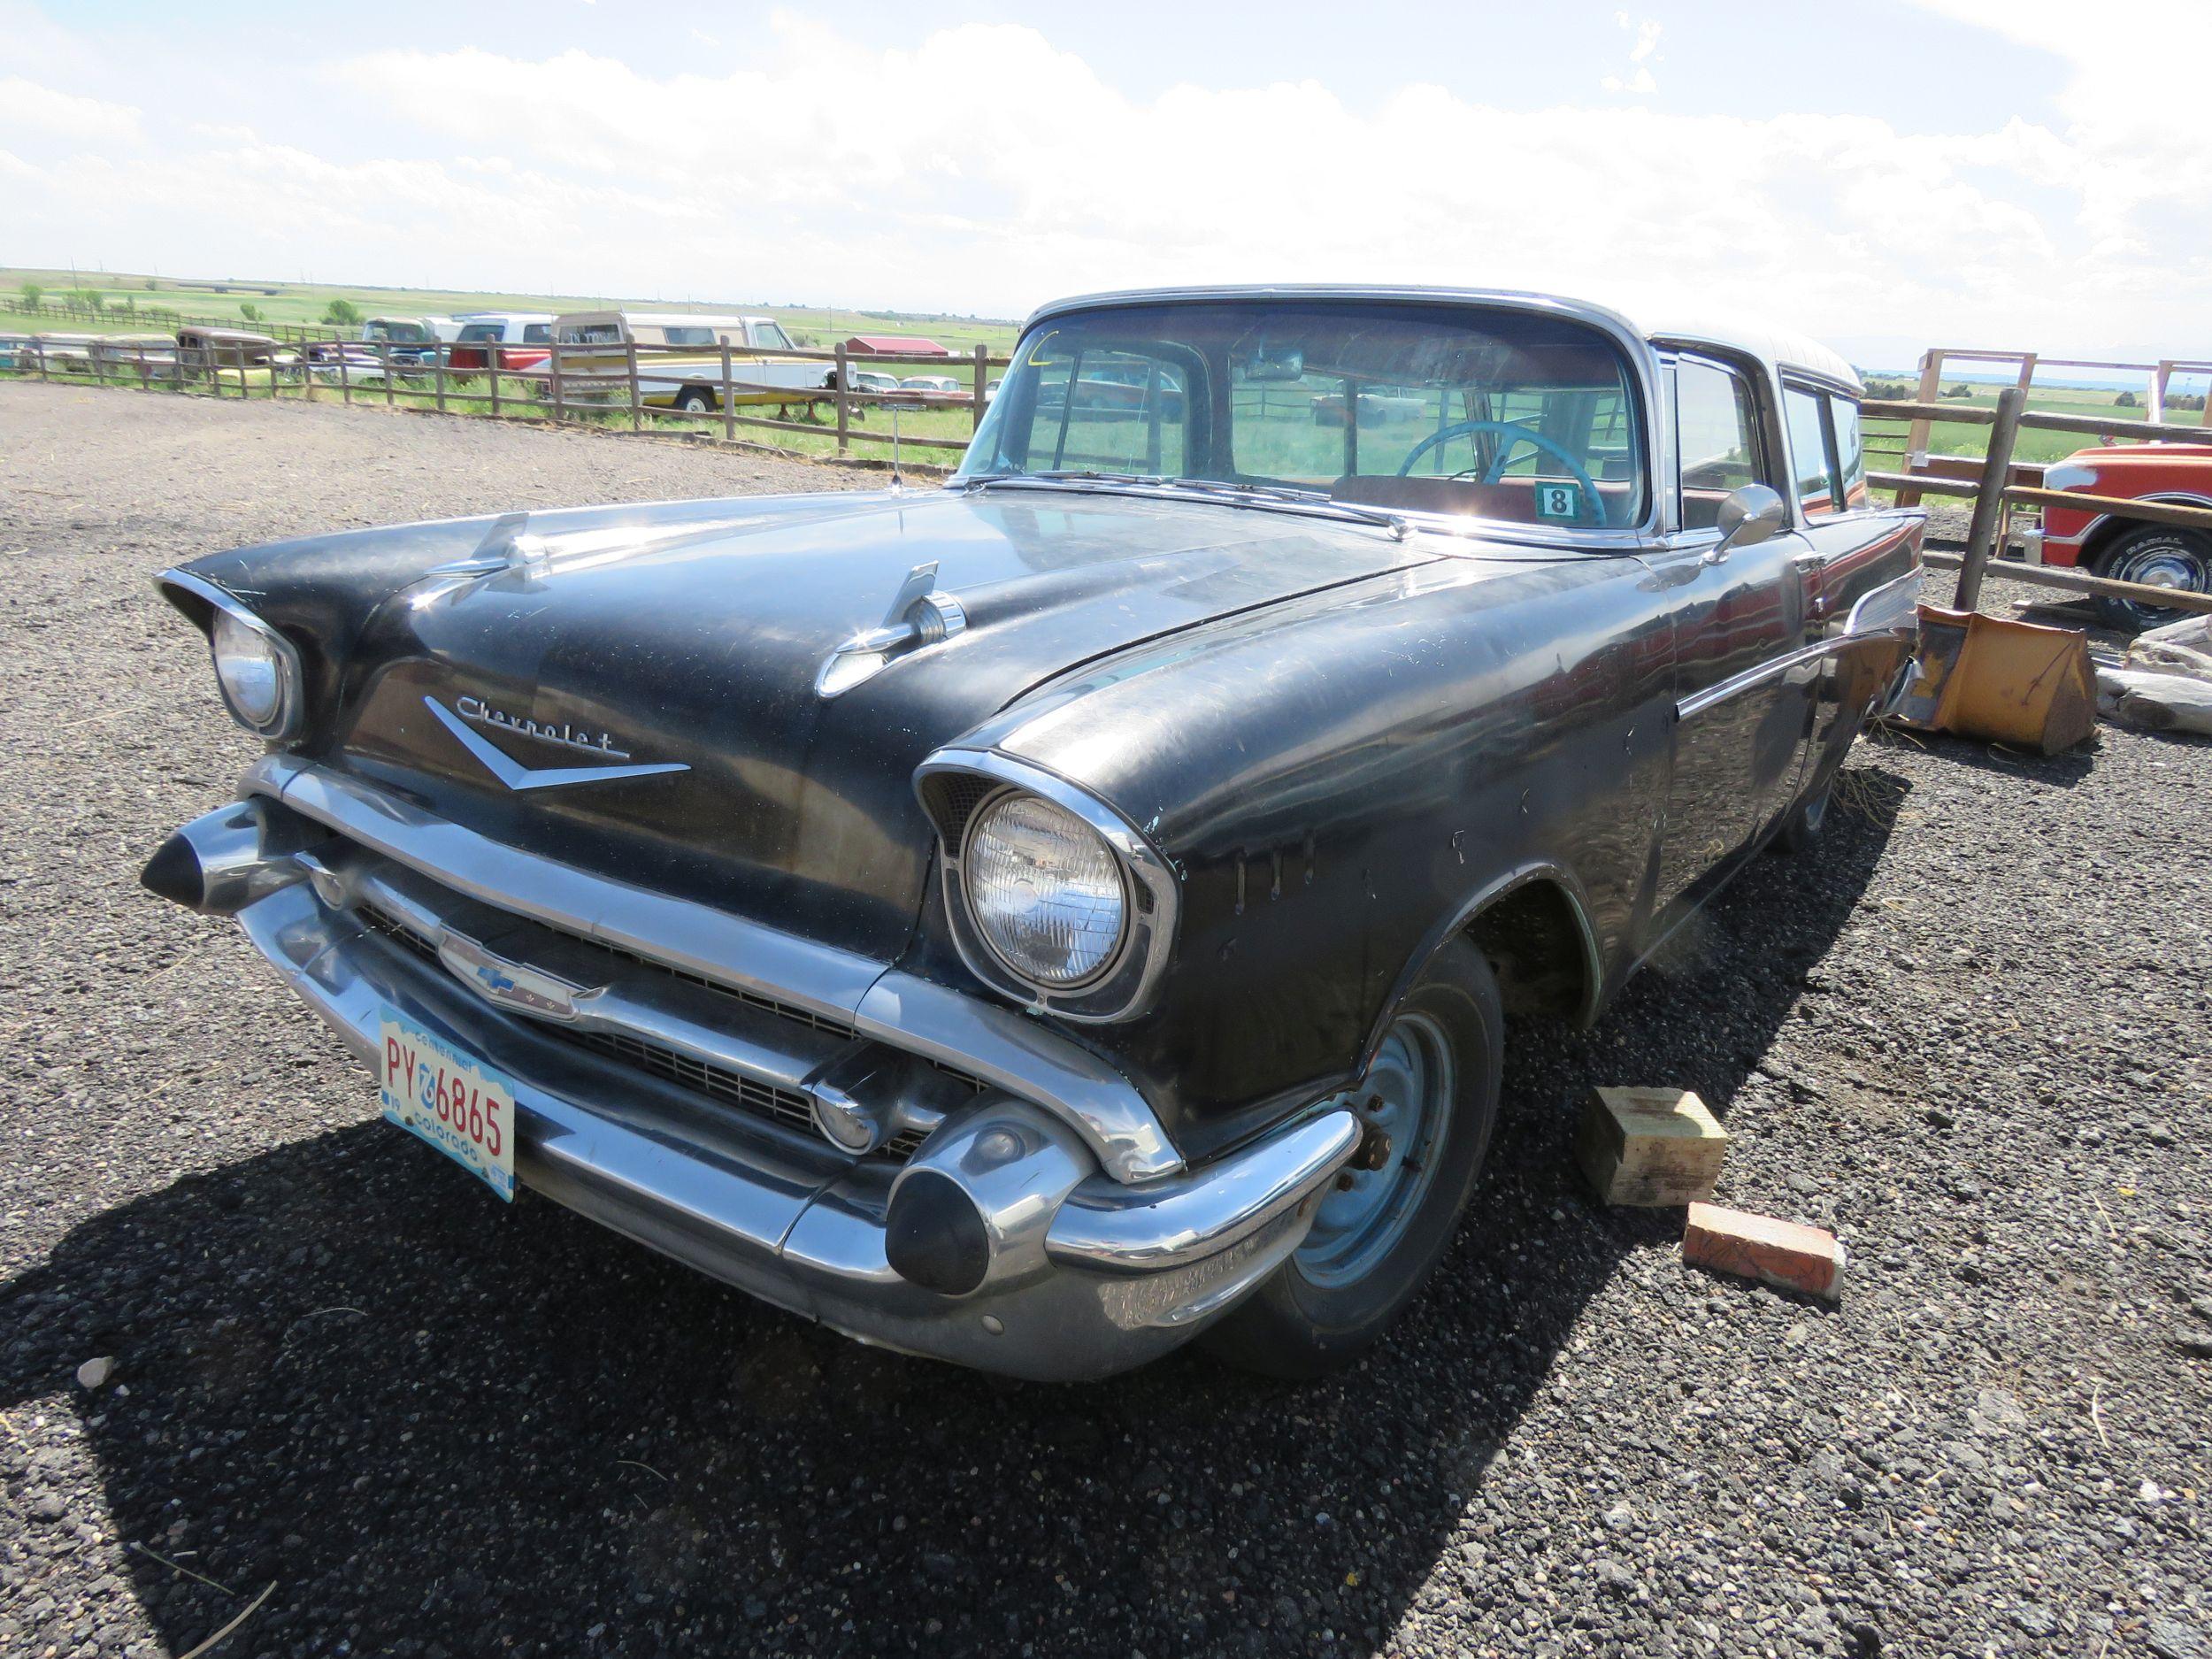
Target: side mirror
x,y
1747,517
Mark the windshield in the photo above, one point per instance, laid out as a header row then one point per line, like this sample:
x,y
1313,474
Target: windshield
x,y
1409,405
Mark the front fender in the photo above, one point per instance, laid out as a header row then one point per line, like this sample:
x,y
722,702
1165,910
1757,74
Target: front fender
x,y
1338,782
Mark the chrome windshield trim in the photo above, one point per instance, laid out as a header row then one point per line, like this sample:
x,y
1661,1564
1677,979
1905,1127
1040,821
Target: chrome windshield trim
x,y
1636,349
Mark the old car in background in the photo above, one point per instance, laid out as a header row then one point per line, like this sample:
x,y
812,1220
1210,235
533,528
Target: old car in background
x,y
232,352
149,357
411,342
680,359
1037,920
522,340
928,391
2107,542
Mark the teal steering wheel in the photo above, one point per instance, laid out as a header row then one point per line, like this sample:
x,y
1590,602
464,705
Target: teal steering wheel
x,y
1589,502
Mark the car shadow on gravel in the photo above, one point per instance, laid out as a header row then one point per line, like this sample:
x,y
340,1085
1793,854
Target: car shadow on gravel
x,y
442,1425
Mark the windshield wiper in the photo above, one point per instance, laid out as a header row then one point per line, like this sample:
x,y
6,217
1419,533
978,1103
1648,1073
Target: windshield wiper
x,y
1289,494
1294,495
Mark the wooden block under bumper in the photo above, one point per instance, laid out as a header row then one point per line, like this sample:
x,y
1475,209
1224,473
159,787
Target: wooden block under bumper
x,y
1650,1146
1779,1253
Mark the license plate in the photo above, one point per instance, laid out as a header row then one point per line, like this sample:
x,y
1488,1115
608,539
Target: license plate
x,y
456,1103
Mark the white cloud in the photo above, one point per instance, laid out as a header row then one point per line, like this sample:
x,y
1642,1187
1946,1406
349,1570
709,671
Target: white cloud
x,y
782,180
27,107
1642,82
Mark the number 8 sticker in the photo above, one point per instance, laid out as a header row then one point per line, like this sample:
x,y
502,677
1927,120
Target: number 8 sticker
x,y
1555,500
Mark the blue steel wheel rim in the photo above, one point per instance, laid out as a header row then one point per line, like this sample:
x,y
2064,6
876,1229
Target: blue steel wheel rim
x,y
1406,1095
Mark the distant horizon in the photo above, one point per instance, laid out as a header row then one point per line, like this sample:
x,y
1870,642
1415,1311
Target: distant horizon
x,y
1978,170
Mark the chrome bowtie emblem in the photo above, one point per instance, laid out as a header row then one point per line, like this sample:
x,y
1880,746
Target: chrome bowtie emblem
x,y
513,773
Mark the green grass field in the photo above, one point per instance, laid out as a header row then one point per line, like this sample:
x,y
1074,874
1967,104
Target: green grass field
x,y
1951,437
299,305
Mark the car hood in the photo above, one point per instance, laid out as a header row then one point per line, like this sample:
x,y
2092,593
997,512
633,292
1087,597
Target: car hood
x,y
636,692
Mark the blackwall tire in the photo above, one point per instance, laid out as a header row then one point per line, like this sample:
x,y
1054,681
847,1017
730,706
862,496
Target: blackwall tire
x,y
1803,824
1364,1261
692,399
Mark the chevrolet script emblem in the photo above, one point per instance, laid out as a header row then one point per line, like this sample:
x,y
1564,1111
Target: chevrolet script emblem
x,y
513,773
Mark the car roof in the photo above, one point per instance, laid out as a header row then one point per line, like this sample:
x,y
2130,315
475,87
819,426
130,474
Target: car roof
x,y
1779,350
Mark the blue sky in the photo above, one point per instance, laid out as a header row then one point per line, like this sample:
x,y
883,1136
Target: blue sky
x,y
1882,173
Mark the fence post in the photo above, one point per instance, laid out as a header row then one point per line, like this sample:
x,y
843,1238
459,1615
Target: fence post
x,y
1989,499
438,375
345,371
844,403
1917,435
982,378
307,371
142,365
493,366
43,373
553,363
637,393
729,404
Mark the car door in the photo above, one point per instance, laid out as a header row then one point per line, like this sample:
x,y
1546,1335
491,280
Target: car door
x,y
1860,570
1743,685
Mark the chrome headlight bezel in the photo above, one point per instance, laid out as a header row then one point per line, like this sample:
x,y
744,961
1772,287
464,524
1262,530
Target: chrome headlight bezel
x,y
214,610
955,788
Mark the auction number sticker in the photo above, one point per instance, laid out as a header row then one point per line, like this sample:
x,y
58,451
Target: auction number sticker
x,y
451,1099
1558,501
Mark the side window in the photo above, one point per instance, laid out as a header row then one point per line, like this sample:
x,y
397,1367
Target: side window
x,y
1716,437
1850,451
536,333
479,331
771,336
1813,467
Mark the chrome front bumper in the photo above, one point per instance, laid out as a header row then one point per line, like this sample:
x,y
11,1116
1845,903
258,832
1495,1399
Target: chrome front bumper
x,y
1075,1273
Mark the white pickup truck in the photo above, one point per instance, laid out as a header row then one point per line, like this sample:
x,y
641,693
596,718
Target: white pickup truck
x,y
680,359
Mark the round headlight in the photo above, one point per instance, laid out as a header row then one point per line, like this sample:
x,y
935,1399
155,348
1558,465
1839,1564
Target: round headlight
x,y
1044,891
252,670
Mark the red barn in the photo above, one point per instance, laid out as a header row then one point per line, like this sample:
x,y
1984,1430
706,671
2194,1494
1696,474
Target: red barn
x,y
897,345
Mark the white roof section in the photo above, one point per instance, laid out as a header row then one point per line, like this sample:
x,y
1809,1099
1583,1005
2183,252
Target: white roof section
x,y
1777,349
1780,350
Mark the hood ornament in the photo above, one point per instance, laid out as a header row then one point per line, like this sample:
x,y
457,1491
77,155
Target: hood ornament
x,y
919,615
513,773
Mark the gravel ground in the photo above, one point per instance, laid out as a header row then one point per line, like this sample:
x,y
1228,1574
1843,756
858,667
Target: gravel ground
x,y
1969,1034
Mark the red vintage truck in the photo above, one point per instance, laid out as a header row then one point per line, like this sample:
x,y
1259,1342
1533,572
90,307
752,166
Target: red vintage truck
x,y
2129,549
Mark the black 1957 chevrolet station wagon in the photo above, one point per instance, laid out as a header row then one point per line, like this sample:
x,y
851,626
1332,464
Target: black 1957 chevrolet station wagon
x,y
1033,921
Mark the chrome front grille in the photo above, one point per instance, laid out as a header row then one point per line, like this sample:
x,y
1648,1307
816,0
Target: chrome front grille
x,y
752,1096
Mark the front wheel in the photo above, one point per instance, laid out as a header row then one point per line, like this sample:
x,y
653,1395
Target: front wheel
x,y
1429,1101
694,400
2159,556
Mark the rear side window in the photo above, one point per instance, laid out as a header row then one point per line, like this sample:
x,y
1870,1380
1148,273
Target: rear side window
x,y
1850,449
478,331
1812,461
1716,436
536,333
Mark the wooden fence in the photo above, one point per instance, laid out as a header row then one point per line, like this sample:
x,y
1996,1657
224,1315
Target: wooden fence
x,y
1992,490
703,388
